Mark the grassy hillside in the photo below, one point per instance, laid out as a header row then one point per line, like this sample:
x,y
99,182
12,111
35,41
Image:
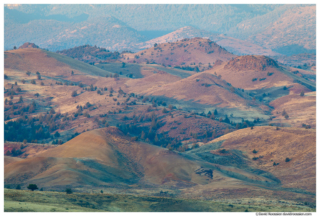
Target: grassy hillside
x,y
47,201
78,65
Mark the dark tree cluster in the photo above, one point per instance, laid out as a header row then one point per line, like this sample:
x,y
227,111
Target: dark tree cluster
x,y
14,152
81,52
20,130
149,133
19,109
188,68
33,129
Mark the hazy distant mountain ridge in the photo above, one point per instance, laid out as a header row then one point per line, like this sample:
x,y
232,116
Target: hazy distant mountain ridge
x,y
212,17
295,27
286,26
236,46
241,29
107,32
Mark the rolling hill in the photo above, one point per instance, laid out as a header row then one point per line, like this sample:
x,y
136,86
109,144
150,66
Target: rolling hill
x,y
257,72
107,100
190,53
48,63
107,159
274,146
207,114
177,131
99,157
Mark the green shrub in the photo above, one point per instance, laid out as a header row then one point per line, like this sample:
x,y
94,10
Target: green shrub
x,y
74,94
68,191
223,151
254,151
275,164
32,187
269,74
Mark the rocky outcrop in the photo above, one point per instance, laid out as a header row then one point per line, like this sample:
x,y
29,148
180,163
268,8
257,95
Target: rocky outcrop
x,y
251,62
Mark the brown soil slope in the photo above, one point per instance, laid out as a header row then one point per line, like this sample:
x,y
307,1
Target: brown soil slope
x,y
301,109
299,145
48,64
27,150
203,88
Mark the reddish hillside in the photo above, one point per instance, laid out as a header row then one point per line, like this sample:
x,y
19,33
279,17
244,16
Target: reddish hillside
x,y
274,146
192,53
107,158
28,45
256,72
300,109
101,157
202,88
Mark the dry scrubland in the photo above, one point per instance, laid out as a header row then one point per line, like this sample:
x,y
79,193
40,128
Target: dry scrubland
x,y
138,128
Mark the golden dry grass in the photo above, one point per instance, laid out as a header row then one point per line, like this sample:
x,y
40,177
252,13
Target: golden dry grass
x,y
58,166
242,78
275,146
301,110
